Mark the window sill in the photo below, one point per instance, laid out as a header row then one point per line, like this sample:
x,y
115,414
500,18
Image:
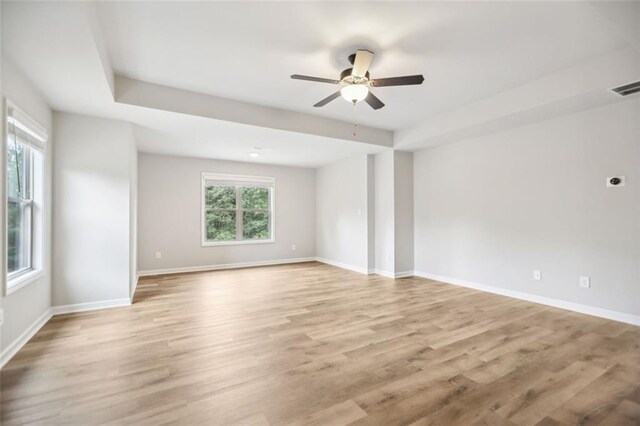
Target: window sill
x,y
23,280
235,243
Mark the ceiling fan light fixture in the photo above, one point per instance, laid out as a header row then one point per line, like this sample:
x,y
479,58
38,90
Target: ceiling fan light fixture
x,y
356,81
354,92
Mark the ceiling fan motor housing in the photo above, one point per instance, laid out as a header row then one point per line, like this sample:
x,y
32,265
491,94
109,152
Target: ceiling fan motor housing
x,y
347,73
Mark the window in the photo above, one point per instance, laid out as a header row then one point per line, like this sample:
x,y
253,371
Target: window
x,y
24,194
237,209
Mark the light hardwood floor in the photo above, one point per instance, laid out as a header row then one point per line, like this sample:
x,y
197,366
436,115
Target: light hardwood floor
x,y
311,344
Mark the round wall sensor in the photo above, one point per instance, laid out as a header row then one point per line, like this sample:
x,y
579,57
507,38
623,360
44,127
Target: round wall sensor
x,y
615,181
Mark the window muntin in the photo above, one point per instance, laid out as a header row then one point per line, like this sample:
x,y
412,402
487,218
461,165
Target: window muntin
x,y
237,209
24,162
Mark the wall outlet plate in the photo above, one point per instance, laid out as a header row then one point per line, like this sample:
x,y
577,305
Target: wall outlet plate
x,y
585,282
158,255
293,247
537,275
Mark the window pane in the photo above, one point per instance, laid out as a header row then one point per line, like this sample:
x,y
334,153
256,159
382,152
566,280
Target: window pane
x,y
17,171
220,197
18,236
221,225
255,225
255,198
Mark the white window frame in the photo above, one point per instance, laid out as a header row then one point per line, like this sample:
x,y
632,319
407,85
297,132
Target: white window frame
x,y
264,181
28,132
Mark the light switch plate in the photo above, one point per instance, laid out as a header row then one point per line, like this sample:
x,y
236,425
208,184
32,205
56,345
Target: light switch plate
x,y
537,275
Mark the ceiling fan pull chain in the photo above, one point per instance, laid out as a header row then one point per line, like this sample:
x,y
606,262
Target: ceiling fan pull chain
x,y
355,119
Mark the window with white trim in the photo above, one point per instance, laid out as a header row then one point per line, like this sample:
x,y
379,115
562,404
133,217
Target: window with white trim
x,y
24,162
237,209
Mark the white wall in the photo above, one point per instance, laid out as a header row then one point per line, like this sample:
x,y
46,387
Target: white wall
x,y
23,307
92,197
2,213
169,213
342,231
384,222
133,219
394,213
491,210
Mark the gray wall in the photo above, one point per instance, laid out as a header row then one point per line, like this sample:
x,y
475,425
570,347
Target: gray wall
x,y
403,211
169,213
371,213
92,185
23,307
492,210
343,232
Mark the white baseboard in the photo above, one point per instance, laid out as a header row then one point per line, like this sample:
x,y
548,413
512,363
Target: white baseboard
x,y
343,265
556,303
13,348
91,306
384,273
394,275
181,270
152,272
381,272
135,286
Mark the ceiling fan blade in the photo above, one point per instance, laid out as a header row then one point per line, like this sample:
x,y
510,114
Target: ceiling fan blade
x,y
362,63
327,99
373,101
316,79
398,81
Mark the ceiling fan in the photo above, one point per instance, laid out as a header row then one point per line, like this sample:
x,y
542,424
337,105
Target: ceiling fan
x,y
356,81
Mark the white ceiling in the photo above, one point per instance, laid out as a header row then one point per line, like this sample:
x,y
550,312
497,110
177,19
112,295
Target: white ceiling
x,y
247,51
201,137
469,52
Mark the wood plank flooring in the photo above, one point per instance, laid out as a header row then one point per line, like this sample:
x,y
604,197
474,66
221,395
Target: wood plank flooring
x,y
311,344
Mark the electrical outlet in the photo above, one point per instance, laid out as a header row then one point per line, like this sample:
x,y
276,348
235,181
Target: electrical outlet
x,y
585,282
158,255
293,247
537,275
1,317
